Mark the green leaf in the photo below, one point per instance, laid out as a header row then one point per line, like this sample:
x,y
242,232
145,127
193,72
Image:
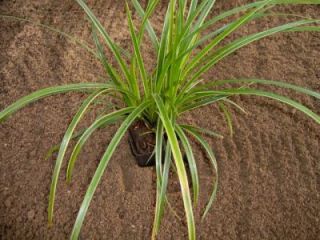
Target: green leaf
x,y
158,155
240,9
150,30
235,45
149,11
101,121
192,163
52,150
246,7
160,69
200,13
226,14
63,148
193,14
305,29
274,96
201,130
56,148
193,7
161,192
213,161
102,166
295,2
228,117
195,102
159,149
181,171
231,28
48,92
116,79
138,55
197,30
268,82
112,46
236,105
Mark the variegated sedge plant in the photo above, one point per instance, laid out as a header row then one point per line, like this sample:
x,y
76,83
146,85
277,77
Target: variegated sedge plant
x,y
174,87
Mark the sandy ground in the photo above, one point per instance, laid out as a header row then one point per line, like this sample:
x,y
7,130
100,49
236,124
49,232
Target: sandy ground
x,y
269,170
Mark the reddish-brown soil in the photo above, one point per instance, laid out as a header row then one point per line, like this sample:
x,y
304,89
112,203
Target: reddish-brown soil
x,y
269,170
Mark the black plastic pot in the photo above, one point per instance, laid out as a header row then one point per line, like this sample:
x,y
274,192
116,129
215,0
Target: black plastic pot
x,y
142,143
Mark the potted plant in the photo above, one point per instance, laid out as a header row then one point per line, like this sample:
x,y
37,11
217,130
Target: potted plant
x,y
152,102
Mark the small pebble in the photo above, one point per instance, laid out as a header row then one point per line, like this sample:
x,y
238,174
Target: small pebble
x,y
31,214
7,203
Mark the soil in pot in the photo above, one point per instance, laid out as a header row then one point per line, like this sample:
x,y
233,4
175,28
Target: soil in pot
x,y
142,142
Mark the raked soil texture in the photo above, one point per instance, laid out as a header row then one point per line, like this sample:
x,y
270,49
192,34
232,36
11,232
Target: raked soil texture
x,y
269,170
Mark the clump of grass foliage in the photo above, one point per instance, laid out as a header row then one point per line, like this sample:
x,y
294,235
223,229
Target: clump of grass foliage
x,y
173,87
